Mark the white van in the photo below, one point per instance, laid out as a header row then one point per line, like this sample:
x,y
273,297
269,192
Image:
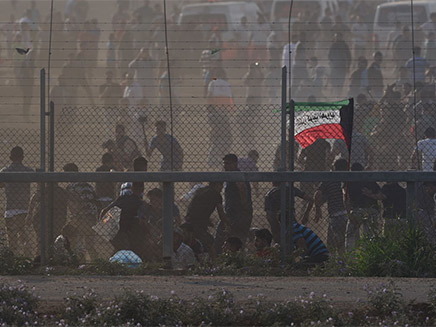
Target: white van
x,y
227,14
388,14
280,9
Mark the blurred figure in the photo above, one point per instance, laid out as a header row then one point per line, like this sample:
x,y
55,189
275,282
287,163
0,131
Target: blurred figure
x,y
364,217
425,152
232,245
124,149
169,148
143,72
273,207
425,206
220,105
83,214
417,66
359,32
60,201
339,57
375,77
262,243
248,117
359,78
331,192
238,206
17,203
430,48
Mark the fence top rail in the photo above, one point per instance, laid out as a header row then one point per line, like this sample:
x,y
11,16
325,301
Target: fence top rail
x,y
379,176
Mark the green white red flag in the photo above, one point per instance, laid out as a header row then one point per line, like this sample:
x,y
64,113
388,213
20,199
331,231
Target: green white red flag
x,y
323,120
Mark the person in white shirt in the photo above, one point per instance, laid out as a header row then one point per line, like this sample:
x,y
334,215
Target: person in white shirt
x,y
426,148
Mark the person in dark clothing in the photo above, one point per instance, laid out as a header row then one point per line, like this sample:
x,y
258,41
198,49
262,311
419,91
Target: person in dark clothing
x,y
133,230
425,205
331,192
272,208
262,243
364,211
205,201
314,158
340,60
394,201
375,76
238,206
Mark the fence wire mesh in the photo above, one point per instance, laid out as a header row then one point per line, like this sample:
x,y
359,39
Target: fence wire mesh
x,y
110,138
108,67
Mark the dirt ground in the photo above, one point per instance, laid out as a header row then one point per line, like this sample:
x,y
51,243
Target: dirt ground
x,y
342,291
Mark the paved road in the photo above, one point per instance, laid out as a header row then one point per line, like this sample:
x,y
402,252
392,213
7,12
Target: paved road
x,y
53,289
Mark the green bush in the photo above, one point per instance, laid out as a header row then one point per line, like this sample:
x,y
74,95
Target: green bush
x,y
13,265
405,255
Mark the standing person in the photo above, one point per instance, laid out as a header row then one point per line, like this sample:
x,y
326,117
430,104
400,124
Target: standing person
x,y
168,146
238,206
33,218
425,151
417,66
339,56
139,164
205,201
110,93
249,163
331,192
133,97
314,158
425,215
248,116
394,199
17,202
124,149
220,105
143,71
364,215
359,78
430,48
83,214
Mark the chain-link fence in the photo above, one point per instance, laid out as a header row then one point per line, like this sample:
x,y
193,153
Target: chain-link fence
x,y
196,139
216,93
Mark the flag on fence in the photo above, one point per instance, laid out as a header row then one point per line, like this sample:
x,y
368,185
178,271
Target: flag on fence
x,y
323,120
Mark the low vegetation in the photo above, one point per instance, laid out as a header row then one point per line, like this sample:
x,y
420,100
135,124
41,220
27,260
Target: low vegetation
x,y
384,306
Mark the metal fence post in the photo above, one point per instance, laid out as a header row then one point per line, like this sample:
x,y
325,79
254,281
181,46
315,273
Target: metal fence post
x,y
283,198
42,166
167,212
50,209
291,216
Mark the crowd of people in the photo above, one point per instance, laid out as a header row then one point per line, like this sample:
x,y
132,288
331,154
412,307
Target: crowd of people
x,y
330,57
354,210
